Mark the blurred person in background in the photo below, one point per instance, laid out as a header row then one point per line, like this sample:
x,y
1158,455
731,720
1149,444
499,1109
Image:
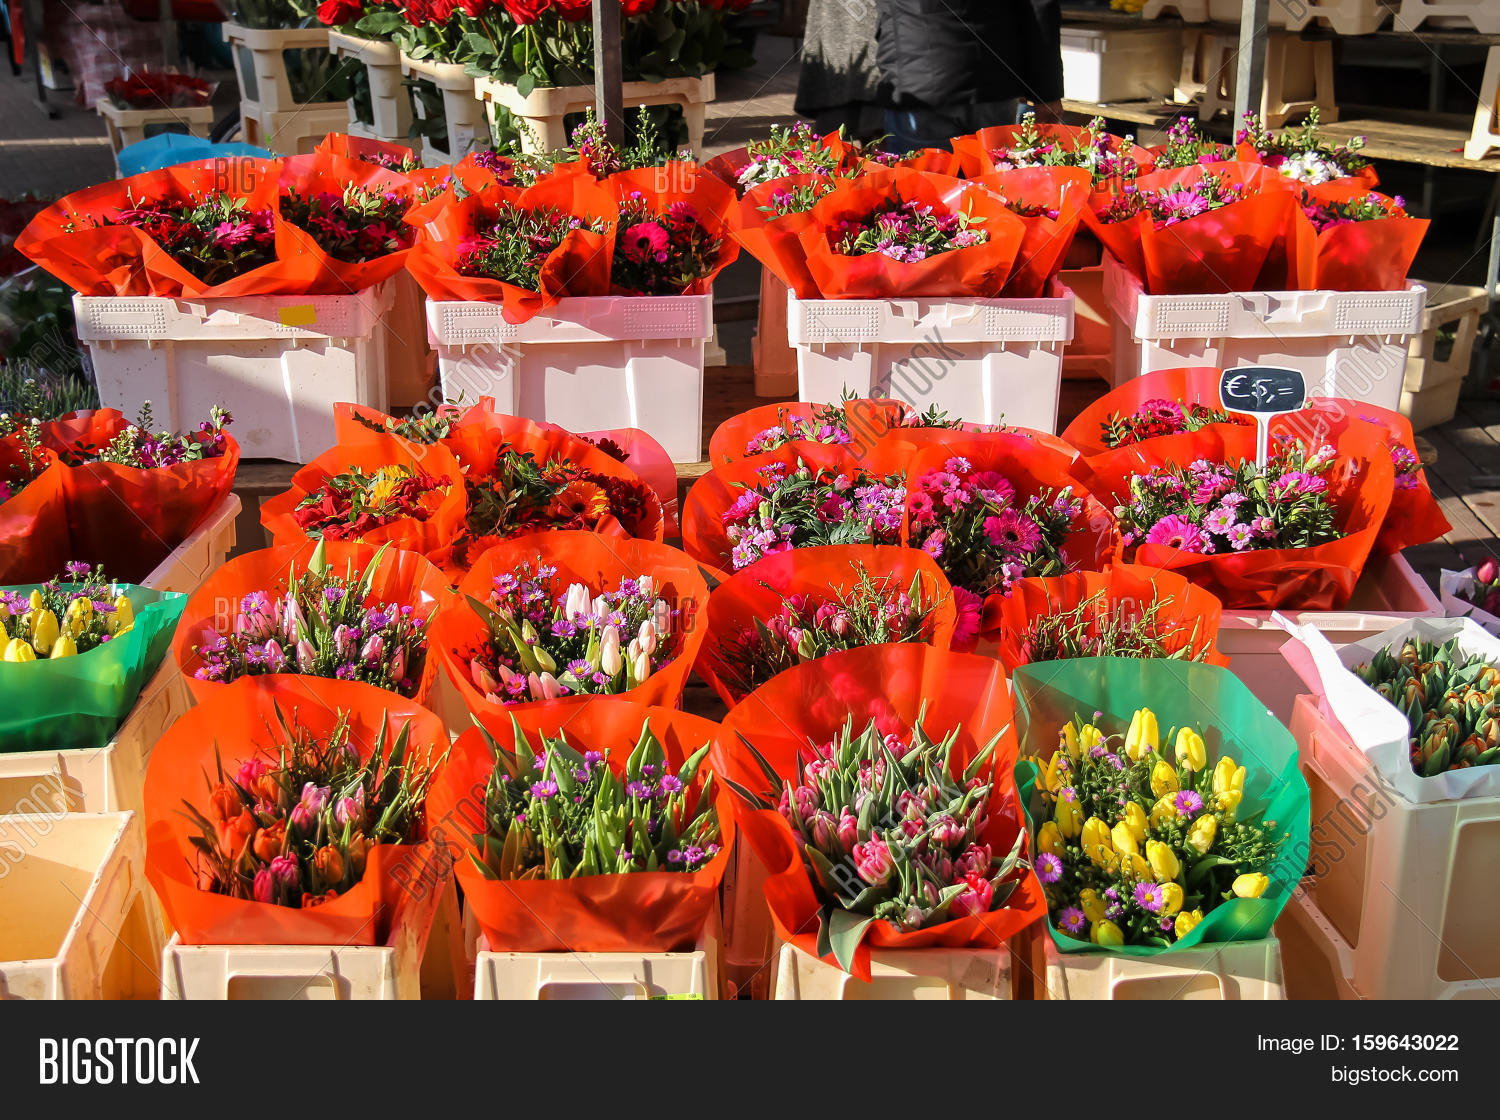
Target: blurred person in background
x,y
839,84
955,66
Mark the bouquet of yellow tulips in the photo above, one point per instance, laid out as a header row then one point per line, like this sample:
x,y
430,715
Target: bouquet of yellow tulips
x,y
1145,841
75,653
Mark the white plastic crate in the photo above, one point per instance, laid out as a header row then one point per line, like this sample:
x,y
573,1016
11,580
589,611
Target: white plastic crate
x,y
585,363
983,360
164,698
465,127
312,972
1405,886
128,126
1481,15
600,976
1347,344
201,554
278,363
925,974
1449,586
48,783
1430,390
1103,64
296,133
390,102
772,356
544,110
1228,970
1387,592
1347,17
1315,960
73,911
260,66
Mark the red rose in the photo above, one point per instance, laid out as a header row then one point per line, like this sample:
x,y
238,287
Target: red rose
x,y
636,7
575,11
335,13
475,8
526,11
442,10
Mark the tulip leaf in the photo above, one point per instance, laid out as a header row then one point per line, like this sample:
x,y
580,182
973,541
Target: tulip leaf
x,y
760,760
753,799
1203,866
845,931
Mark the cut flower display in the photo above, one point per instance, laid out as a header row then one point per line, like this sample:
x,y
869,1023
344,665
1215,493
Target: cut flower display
x,y
1300,154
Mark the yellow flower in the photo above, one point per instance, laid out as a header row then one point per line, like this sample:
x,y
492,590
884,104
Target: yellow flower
x,y
1123,839
1164,810
1191,753
35,600
1229,785
81,607
1171,899
1089,737
1252,885
1096,840
1135,818
1054,774
1106,933
1163,779
385,483
19,649
45,630
1143,736
1091,904
123,618
63,647
1049,838
1069,740
1164,862
1186,921
1201,835
1069,818
1140,870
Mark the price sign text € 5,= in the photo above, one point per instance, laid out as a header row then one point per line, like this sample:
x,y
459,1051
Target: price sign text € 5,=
x,y
1264,392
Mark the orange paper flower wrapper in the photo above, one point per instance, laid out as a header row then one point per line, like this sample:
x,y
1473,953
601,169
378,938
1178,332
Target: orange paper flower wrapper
x,y
403,578
756,594
650,462
777,241
365,148
974,150
888,684
1373,256
237,723
1189,615
130,518
579,266
34,540
1047,240
1365,176
974,270
600,563
445,508
1222,250
1318,578
635,912
715,204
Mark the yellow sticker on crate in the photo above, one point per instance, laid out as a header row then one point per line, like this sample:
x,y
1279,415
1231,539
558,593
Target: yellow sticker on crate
x,y
299,315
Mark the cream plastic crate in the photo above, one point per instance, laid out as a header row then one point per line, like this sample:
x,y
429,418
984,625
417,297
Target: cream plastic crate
x,y
295,133
543,111
128,126
73,908
465,125
1388,591
278,363
1430,391
315,972
390,101
164,698
983,360
49,783
260,67
1104,64
1451,587
1481,15
1346,344
1314,959
917,974
1405,887
585,364
600,976
201,554
1229,970
1347,17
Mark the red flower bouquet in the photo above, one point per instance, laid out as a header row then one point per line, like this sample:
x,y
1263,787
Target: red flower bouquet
x,y
1301,155
152,89
772,218
1007,147
673,232
1050,202
1346,238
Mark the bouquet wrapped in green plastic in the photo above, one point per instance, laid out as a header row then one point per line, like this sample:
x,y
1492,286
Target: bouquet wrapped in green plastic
x,y
75,653
1147,842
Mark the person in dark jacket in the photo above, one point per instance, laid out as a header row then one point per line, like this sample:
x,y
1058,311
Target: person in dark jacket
x,y
954,66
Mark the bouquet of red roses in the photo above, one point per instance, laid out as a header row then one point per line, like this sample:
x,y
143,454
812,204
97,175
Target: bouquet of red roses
x,y
153,89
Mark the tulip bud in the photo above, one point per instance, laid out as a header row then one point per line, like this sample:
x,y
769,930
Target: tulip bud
x,y
65,646
610,661
1165,865
373,648
1163,811
1068,741
1171,899
1185,922
1089,737
1229,784
1251,885
547,683
1201,835
1106,934
18,649
578,602
328,862
398,664
481,677
646,638
1123,839
80,608
1191,753
1163,779
35,600
1143,736
45,630
847,830
306,655
343,644
265,885
641,668
1487,572
1134,817
1096,840
1094,908
124,616
1055,773
1069,818
284,870
1050,839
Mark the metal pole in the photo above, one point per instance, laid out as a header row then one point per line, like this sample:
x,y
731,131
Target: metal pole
x,y
609,86
1250,72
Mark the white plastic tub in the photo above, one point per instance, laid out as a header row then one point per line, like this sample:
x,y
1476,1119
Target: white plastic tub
x,y
1388,591
72,908
1230,970
1347,344
204,551
1103,64
278,363
390,101
585,364
918,974
1315,961
260,65
1481,15
464,123
295,133
543,112
982,360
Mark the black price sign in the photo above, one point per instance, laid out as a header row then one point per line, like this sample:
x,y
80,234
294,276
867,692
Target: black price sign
x,y
1262,389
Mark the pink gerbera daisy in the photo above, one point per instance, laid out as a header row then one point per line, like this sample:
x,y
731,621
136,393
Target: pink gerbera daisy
x,y
1177,532
645,241
1013,531
970,607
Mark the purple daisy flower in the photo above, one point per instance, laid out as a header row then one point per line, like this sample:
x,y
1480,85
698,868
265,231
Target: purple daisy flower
x,y
1049,868
1149,896
1187,802
1072,920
